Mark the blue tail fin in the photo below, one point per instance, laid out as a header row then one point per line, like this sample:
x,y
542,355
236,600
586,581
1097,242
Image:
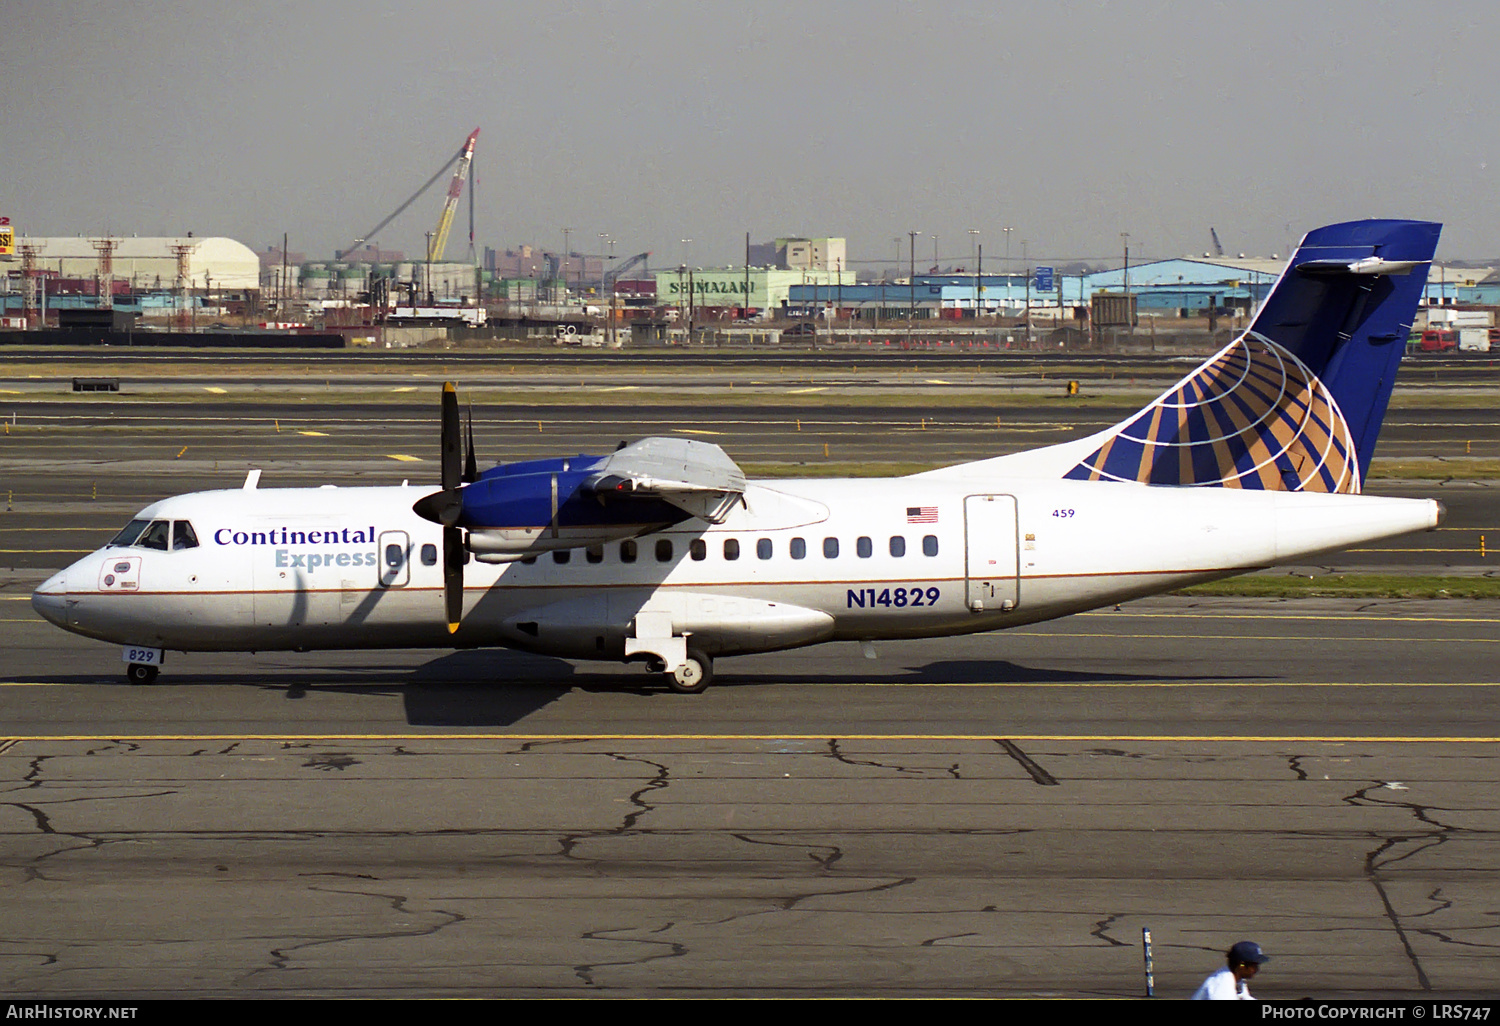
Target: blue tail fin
x,y
1295,403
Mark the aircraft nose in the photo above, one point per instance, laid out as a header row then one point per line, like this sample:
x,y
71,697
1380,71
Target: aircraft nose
x,y
51,599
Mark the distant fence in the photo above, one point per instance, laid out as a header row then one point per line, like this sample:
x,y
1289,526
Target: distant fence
x,y
178,339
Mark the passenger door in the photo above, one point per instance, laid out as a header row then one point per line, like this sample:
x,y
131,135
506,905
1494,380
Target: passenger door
x,y
395,559
991,553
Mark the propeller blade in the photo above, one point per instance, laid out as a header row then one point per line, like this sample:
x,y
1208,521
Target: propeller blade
x,y
471,468
453,576
451,444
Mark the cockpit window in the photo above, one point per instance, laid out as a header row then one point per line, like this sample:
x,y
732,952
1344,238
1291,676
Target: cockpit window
x,y
131,532
156,535
183,536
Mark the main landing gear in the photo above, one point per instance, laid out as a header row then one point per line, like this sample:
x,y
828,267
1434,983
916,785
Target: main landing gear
x,y
142,673
689,677
692,675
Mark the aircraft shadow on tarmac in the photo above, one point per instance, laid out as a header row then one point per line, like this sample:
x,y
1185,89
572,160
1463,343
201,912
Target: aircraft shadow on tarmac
x,y
500,687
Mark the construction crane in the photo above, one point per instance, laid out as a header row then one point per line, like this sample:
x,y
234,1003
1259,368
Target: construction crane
x,y
465,157
614,274
455,188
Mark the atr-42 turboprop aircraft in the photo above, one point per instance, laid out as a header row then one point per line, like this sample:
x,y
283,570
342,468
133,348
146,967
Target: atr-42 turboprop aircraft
x,y
663,552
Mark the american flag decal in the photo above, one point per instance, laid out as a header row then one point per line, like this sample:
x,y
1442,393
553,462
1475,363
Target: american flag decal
x,y
921,514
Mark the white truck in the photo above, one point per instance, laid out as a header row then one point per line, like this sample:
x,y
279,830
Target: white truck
x,y
1473,340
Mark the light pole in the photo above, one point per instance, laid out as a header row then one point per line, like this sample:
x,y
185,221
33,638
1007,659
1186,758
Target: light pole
x,y
566,254
1026,270
429,269
911,283
974,242
1007,232
609,323
1125,238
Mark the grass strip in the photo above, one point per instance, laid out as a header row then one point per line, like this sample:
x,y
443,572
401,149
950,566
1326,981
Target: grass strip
x,y
1415,586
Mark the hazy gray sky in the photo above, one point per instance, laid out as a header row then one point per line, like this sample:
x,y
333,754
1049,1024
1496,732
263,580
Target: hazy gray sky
x,y
656,121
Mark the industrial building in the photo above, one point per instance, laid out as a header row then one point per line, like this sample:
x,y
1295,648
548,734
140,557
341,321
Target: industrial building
x,y
755,288
148,263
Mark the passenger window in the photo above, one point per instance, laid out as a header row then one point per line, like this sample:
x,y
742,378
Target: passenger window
x,y
731,548
394,557
898,545
698,549
157,535
763,548
131,532
594,553
664,550
830,548
627,552
798,548
429,555
561,555
183,536
863,547
929,545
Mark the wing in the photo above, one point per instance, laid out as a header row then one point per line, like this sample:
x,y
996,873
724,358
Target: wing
x,y
696,477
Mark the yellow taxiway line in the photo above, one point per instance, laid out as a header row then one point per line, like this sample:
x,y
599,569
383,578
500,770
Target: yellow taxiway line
x,y
1141,738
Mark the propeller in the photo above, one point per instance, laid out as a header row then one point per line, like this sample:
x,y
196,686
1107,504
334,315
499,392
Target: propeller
x,y
446,506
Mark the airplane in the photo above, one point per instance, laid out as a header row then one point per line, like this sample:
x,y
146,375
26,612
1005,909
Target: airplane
x,y
663,552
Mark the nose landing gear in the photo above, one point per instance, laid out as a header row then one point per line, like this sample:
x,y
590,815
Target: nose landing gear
x,y
142,673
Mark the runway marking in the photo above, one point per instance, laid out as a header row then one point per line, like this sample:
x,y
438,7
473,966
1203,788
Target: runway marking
x,y
18,552
691,431
19,530
1450,549
403,457
1242,637
806,391
620,388
214,389
1023,685
405,388
1396,616
1141,738
314,434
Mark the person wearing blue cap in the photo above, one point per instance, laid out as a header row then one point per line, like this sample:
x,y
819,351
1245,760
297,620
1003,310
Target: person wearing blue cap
x,y
1229,983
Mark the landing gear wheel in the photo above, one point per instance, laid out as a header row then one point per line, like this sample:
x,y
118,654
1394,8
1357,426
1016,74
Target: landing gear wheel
x,y
693,676
142,673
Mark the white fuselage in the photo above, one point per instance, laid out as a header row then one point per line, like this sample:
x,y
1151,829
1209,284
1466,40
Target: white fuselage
x,y
329,568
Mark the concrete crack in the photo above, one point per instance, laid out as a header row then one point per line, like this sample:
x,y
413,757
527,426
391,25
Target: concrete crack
x,y
673,949
839,756
932,942
282,957
1103,925
1032,768
637,798
824,862
1376,862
